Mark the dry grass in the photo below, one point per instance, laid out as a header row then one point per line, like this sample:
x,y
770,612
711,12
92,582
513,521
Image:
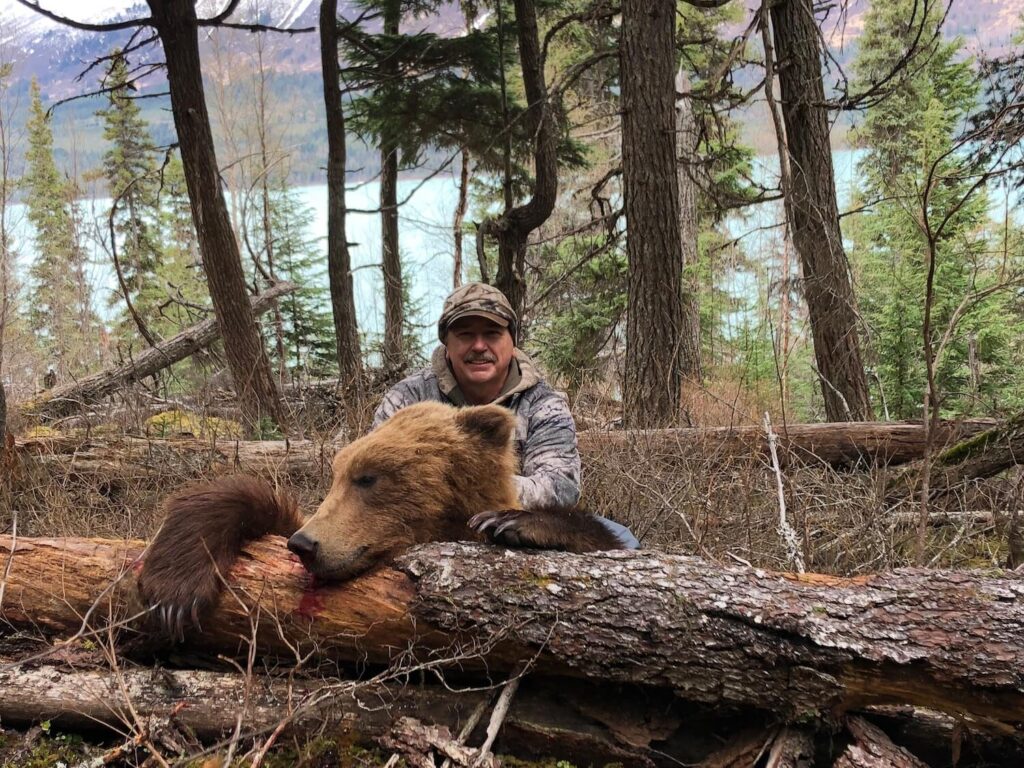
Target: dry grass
x,y
690,500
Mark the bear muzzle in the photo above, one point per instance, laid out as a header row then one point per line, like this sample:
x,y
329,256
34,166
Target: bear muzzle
x,y
306,549
328,565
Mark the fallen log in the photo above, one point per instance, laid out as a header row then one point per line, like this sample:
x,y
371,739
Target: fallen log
x,y
132,457
871,748
948,641
111,460
69,398
972,457
209,704
837,444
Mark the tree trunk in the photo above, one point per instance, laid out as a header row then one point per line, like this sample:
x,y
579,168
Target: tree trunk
x,y
394,312
339,265
687,139
3,418
815,215
460,217
175,23
799,646
514,227
840,444
69,398
650,185
976,456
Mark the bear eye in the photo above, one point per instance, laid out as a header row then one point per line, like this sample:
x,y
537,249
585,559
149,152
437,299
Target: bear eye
x,y
365,481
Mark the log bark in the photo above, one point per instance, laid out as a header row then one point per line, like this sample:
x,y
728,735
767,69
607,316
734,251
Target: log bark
x,y
797,646
69,398
835,444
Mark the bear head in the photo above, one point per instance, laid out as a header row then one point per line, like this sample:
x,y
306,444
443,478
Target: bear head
x,y
417,478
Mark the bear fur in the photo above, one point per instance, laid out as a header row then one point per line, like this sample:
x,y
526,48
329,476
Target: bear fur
x,y
429,473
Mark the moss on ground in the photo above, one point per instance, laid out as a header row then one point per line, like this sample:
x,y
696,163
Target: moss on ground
x,y
177,422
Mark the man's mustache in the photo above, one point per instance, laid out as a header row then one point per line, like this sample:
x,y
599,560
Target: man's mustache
x,y
482,358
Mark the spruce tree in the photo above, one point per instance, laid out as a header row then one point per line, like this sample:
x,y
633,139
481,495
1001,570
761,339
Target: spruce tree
x,y
61,314
307,325
420,91
178,295
908,139
129,166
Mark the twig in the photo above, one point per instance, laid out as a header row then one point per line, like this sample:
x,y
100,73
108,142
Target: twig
x,y
785,529
499,713
469,726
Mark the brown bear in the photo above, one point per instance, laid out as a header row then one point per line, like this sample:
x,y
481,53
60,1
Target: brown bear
x,y
429,473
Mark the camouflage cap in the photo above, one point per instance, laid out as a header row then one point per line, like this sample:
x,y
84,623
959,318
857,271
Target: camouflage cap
x,y
477,299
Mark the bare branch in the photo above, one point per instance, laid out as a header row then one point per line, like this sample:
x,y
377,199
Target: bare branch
x,y
112,26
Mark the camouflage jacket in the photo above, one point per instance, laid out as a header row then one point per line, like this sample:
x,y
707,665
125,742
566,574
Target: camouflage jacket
x,y
549,458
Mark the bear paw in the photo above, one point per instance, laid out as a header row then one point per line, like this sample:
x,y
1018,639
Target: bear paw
x,y
509,527
173,605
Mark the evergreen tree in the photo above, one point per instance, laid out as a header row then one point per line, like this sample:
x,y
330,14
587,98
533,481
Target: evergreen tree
x,y
178,296
908,138
61,313
420,90
307,323
8,287
129,166
583,295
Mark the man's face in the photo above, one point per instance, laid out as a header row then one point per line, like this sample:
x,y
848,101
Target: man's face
x,y
479,351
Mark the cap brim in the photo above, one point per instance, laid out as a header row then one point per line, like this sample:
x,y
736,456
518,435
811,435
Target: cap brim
x,y
503,322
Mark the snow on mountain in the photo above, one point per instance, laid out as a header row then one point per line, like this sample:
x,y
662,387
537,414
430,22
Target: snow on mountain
x,y
56,54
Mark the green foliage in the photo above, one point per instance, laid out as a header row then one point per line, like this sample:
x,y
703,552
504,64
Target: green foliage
x,y
584,310
178,294
582,314
413,351
61,311
724,163
423,90
308,327
129,167
916,181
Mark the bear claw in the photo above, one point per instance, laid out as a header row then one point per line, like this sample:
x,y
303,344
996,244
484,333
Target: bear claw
x,y
500,526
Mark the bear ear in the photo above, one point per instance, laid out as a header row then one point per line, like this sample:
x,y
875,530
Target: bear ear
x,y
490,423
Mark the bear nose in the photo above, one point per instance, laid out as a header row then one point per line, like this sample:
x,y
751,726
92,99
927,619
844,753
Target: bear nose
x,y
304,547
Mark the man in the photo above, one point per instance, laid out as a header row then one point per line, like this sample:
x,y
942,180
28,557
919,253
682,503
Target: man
x,y
478,364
